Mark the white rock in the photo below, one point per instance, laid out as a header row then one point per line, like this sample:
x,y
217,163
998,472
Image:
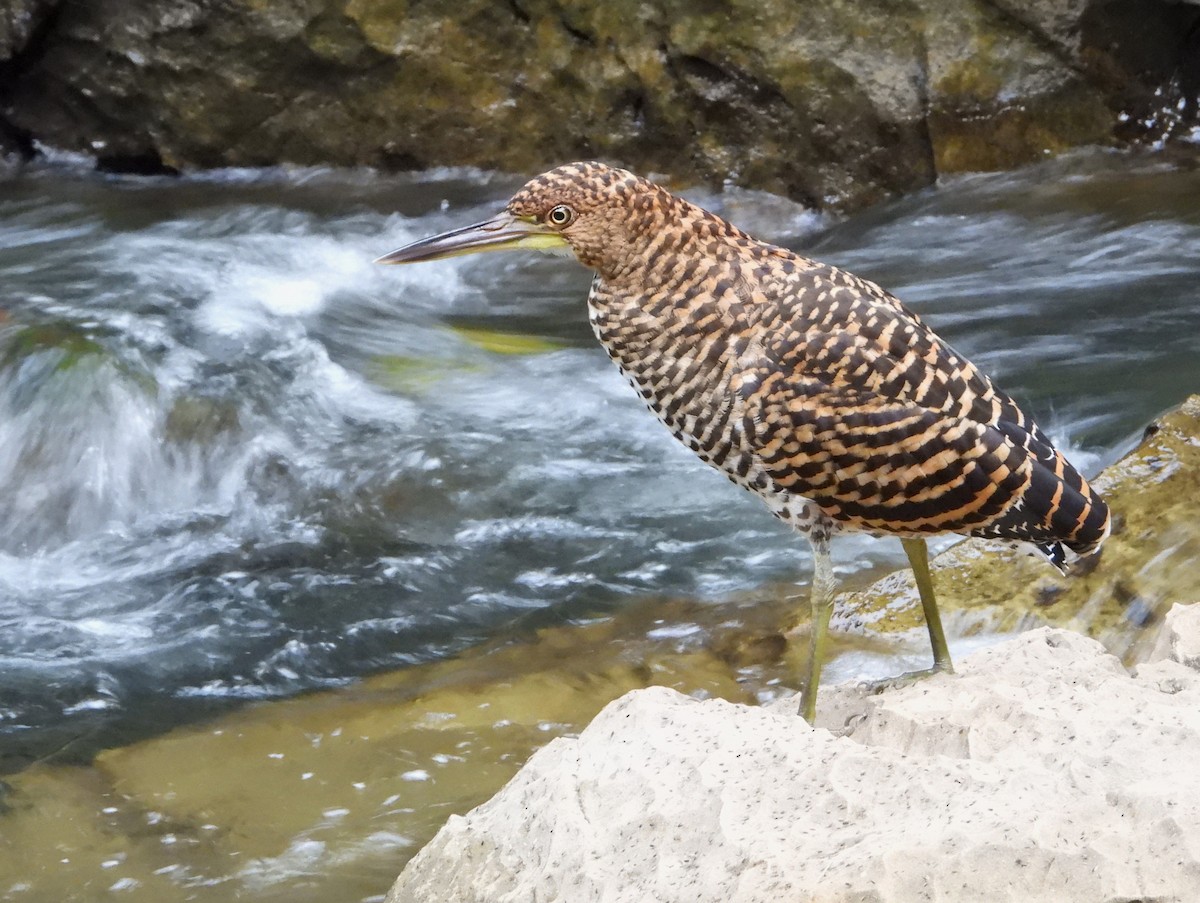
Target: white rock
x,y
1041,771
1179,639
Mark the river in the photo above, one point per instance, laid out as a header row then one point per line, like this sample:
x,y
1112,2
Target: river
x,y
238,461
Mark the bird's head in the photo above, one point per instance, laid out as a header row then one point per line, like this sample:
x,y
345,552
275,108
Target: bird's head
x,y
602,214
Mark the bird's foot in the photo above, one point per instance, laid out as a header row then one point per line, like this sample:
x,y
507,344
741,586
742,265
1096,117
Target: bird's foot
x,y
874,687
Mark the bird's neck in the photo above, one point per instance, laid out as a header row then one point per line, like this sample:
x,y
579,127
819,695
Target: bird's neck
x,y
667,240
663,317
678,269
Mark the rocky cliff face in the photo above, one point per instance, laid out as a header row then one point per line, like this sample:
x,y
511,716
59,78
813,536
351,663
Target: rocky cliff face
x,y
836,103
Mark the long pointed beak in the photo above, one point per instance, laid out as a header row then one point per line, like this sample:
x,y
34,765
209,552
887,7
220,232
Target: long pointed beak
x,y
504,232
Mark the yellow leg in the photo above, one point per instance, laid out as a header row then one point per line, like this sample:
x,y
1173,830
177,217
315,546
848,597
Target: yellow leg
x,y
918,557
821,599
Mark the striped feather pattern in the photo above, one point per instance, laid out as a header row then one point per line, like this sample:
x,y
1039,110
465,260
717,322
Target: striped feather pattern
x,y
811,387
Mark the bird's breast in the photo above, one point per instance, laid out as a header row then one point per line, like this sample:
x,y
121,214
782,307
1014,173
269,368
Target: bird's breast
x,y
684,361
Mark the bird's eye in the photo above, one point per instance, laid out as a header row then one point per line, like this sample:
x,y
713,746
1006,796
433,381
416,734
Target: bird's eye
x,y
560,216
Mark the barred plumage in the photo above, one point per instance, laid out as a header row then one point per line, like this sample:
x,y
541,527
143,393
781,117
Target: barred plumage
x,y
813,388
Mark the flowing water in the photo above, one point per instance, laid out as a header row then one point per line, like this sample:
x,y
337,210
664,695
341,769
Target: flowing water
x,y
239,461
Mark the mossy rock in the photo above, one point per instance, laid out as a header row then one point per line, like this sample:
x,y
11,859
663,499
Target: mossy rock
x,y
61,354
62,344
200,420
834,104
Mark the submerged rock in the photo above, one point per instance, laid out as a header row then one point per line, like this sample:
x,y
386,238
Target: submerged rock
x,y
1041,771
837,103
342,784
202,420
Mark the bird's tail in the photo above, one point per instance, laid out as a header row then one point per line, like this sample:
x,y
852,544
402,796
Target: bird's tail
x,y
1058,511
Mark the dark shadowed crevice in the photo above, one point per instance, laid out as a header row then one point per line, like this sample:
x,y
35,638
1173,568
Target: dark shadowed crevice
x,y
926,104
395,160
14,139
1145,55
30,52
1189,73
579,35
142,163
519,12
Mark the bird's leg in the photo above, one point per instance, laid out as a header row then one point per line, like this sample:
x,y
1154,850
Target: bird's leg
x,y
821,599
918,557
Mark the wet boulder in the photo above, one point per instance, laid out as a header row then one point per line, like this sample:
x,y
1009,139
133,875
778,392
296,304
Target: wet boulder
x,y
21,21
835,104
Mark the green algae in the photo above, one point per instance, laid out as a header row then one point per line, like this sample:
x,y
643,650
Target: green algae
x,y
67,345
500,342
408,374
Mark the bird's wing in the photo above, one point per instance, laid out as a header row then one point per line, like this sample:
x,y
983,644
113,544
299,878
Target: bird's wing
x,y
852,333
875,463
859,406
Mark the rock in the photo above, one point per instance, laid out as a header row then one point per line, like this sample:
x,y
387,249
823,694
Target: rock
x,y
1041,771
834,104
200,420
984,55
1179,639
